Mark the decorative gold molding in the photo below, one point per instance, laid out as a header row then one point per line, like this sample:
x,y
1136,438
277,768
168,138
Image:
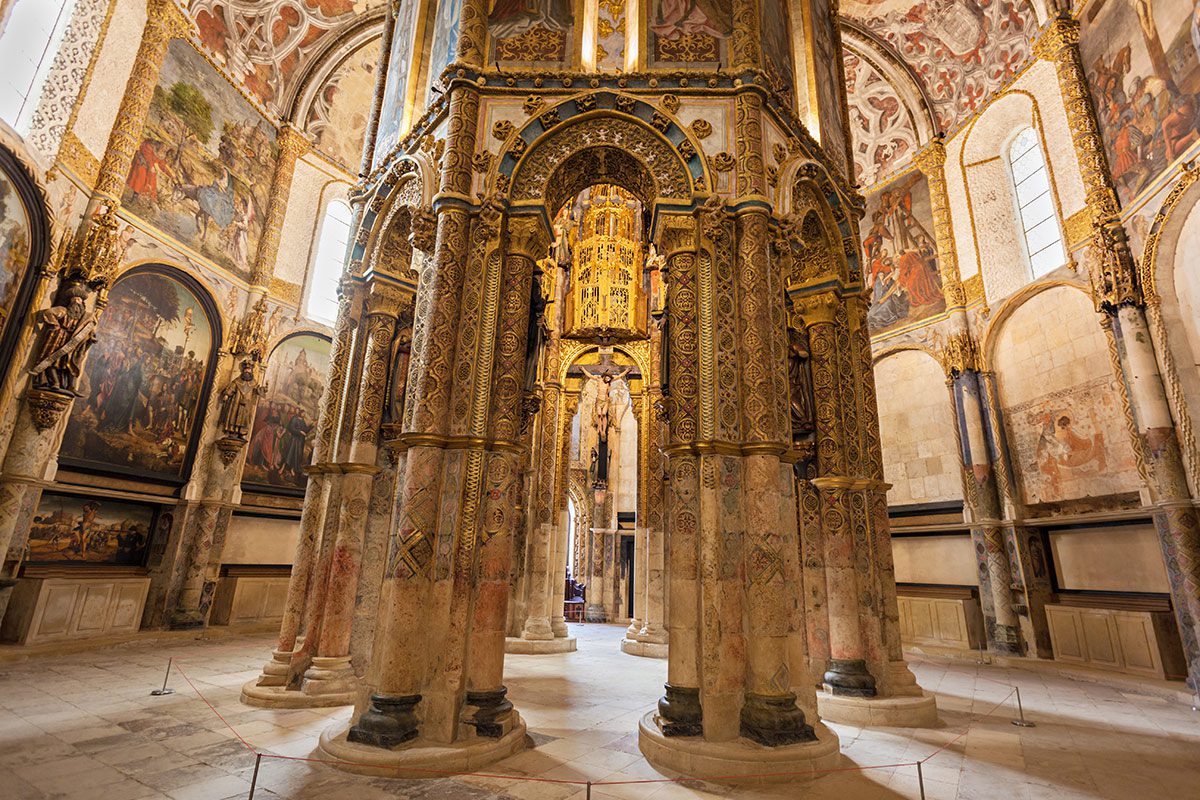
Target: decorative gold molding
x,y
74,155
286,291
1077,228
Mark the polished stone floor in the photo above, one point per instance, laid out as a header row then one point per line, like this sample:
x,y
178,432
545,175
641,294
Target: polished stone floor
x,y
84,726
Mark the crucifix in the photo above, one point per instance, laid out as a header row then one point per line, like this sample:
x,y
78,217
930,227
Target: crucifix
x,y
603,375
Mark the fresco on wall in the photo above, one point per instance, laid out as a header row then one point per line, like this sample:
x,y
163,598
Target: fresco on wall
x,y
337,118
1072,444
692,32
610,34
961,51
777,47
87,530
445,40
882,131
282,440
531,32
392,110
901,255
202,171
827,76
143,381
14,246
1143,69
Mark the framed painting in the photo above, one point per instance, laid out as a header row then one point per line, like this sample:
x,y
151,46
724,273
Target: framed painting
x,y
90,531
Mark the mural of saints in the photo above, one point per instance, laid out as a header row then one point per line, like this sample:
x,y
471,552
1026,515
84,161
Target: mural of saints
x,y
530,30
143,380
901,255
203,168
689,31
281,441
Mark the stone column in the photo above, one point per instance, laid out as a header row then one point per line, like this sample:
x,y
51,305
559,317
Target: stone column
x,y
541,553
558,622
653,635
1119,299
331,672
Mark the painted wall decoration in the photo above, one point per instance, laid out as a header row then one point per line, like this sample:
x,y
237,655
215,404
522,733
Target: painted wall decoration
x,y
203,169
883,134
689,32
14,246
1072,444
531,32
1144,72
610,34
777,47
89,531
901,255
281,441
829,83
391,114
267,44
445,40
337,118
144,379
961,50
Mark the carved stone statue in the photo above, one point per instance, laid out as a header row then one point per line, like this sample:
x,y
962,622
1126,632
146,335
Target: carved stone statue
x,y
68,331
800,383
603,405
238,403
400,376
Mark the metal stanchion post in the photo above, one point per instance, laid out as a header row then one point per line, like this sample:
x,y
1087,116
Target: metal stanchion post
x,y
920,780
164,690
589,790
1021,722
254,777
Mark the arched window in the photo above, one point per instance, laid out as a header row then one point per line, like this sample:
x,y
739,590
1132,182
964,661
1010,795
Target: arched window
x,y
327,269
28,44
1035,204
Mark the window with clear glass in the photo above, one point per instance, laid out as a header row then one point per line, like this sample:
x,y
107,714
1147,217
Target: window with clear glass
x,y
28,44
1035,204
322,302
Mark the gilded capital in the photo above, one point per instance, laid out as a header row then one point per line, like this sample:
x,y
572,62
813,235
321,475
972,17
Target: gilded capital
x,y
527,237
166,19
384,299
676,234
959,354
933,157
423,230
1058,41
817,309
292,142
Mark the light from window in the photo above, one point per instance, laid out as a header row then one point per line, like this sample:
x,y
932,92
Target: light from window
x,y
1039,222
322,303
28,45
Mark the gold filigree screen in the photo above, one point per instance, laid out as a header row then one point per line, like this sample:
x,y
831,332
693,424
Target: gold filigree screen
x,y
606,297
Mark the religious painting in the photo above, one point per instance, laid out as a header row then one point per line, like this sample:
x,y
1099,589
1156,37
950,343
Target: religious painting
x,y
144,379
281,442
610,35
826,66
202,171
89,531
777,48
337,118
961,51
395,90
445,41
1144,73
901,255
1072,444
15,238
690,32
531,31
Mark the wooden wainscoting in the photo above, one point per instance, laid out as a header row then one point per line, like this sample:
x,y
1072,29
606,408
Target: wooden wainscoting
x,y
250,596
46,609
1137,637
942,616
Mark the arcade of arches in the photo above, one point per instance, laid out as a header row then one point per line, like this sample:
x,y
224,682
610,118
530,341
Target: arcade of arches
x,y
713,393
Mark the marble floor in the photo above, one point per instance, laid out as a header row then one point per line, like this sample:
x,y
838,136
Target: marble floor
x,y
85,726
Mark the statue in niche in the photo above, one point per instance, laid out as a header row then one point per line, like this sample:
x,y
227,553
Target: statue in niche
x,y
656,270
400,375
594,470
800,383
560,250
536,337
68,332
239,400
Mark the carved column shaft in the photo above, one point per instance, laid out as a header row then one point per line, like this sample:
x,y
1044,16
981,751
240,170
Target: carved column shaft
x,y
292,145
931,162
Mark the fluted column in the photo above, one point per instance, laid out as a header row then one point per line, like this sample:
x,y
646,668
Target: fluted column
x,y
331,671
1120,300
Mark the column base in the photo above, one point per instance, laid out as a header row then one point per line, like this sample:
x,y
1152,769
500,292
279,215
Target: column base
x,y
644,649
419,758
277,671
538,647
849,677
878,712
654,634
740,760
537,629
635,627
559,627
282,697
331,677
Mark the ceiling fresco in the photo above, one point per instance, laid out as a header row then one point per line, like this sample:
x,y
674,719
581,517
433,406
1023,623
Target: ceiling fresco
x,y
881,126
